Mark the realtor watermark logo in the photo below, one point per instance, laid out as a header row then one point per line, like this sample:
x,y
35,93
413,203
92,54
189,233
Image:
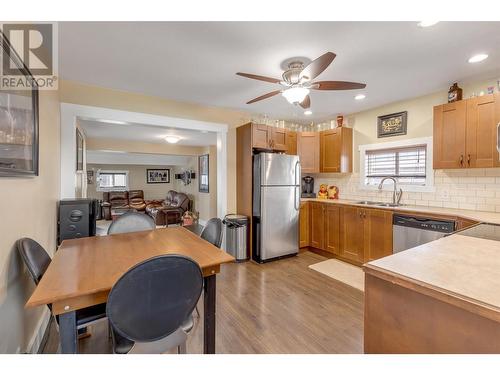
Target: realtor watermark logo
x,y
28,48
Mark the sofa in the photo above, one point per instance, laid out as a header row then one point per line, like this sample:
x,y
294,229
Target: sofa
x,y
133,199
170,210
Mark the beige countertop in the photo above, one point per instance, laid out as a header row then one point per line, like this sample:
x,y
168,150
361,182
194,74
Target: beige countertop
x,y
482,216
467,268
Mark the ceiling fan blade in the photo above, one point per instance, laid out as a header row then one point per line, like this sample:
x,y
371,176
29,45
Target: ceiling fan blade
x,y
337,85
316,67
306,103
260,78
265,96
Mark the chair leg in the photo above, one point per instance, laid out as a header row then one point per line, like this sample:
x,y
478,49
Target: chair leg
x,y
182,349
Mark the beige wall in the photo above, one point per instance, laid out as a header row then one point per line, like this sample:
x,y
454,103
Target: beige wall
x,y
77,93
29,209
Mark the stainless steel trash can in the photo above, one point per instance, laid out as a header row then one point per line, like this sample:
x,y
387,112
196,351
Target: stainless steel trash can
x,y
236,227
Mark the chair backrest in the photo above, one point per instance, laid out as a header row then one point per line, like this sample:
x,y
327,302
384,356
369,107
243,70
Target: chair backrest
x,y
213,231
131,222
34,256
170,197
180,200
153,298
118,198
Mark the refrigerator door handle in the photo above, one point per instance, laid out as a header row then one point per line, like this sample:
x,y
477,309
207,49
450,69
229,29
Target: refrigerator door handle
x,y
296,200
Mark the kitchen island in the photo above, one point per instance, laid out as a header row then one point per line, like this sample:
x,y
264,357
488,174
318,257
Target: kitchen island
x,y
440,297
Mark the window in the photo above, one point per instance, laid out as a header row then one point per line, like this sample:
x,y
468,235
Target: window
x,y
409,162
112,180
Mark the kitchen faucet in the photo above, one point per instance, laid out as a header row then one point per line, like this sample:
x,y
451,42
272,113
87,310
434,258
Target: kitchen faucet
x,y
396,195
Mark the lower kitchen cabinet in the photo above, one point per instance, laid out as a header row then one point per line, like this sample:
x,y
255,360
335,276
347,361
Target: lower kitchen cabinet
x,y
352,234
317,232
377,233
332,227
304,225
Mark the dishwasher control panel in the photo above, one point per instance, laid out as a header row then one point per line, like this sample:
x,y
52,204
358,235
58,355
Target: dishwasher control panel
x,y
442,226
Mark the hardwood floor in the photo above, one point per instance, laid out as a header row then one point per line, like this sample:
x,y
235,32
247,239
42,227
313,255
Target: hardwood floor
x,y
277,307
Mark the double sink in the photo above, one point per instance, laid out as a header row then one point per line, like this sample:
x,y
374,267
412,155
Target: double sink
x,y
379,204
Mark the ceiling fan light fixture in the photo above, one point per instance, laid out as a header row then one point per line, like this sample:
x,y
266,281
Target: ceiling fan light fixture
x,y
295,94
360,97
308,113
478,58
172,139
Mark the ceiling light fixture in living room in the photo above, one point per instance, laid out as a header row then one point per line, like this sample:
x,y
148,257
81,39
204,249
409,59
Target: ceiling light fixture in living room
x,y
172,139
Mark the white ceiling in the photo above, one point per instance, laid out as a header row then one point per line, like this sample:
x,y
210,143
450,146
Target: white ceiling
x,y
145,133
197,61
131,158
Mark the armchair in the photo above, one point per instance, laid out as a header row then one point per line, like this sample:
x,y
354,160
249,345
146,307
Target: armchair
x,y
169,211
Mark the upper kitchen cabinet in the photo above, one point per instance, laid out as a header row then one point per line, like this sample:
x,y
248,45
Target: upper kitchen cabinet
x,y
308,151
278,139
336,150
465,133
261,136
449,135
483,117
291,142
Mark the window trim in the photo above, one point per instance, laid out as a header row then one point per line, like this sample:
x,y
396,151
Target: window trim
x,y
429,186
98,175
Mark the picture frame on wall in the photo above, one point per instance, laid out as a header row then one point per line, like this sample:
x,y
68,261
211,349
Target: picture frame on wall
x,y
79,150
158,176
392,125
203,169
18,123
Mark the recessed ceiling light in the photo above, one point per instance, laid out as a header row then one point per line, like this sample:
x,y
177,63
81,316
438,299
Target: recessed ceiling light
x,y
308,113
360,97
478,58
427,23
172,139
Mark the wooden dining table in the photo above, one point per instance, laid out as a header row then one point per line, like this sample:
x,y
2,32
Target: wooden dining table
x,y
84,270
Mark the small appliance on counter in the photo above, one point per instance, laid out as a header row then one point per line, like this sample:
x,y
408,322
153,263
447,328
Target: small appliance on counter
x,y
308,187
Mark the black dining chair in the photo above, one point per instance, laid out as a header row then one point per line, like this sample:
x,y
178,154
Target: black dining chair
x,y
150,307
37,261
132,222
213,232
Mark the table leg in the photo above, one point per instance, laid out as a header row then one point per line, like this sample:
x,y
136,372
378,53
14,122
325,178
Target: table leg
x,y
209,315
67,333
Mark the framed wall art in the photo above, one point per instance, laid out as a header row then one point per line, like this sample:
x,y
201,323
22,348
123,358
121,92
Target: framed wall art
x,y
203,167
392,125
158,176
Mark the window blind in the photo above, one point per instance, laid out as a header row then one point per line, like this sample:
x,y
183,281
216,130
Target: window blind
x,y
406,164
111,180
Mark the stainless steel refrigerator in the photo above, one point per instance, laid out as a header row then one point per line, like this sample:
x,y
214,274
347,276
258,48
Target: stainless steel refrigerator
x,y
276,206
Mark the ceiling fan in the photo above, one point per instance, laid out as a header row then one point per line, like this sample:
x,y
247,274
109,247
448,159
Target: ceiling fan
x,y
297,81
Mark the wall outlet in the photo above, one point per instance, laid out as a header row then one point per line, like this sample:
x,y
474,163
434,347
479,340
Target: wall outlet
x,y
444,194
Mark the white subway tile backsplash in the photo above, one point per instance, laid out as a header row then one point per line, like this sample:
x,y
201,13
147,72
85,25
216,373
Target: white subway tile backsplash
x,y
472,189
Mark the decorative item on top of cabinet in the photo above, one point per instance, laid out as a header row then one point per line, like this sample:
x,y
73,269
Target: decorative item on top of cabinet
x,y
454,93
336,150
340,121
308,150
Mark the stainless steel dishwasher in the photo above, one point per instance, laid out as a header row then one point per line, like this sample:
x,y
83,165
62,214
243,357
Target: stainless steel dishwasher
x,y
412,231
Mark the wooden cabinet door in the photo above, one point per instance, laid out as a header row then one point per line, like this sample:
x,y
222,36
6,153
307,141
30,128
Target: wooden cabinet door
x,y
261,136
377,233
332,227
352,233
330,149
278,138
317,231
449,135
482,120
291,142
304,224
308,151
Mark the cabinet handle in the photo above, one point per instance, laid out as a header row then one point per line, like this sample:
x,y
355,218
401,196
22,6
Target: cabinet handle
x,y
461,160
468,160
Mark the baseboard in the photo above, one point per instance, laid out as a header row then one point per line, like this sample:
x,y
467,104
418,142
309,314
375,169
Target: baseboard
x,y
40,335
